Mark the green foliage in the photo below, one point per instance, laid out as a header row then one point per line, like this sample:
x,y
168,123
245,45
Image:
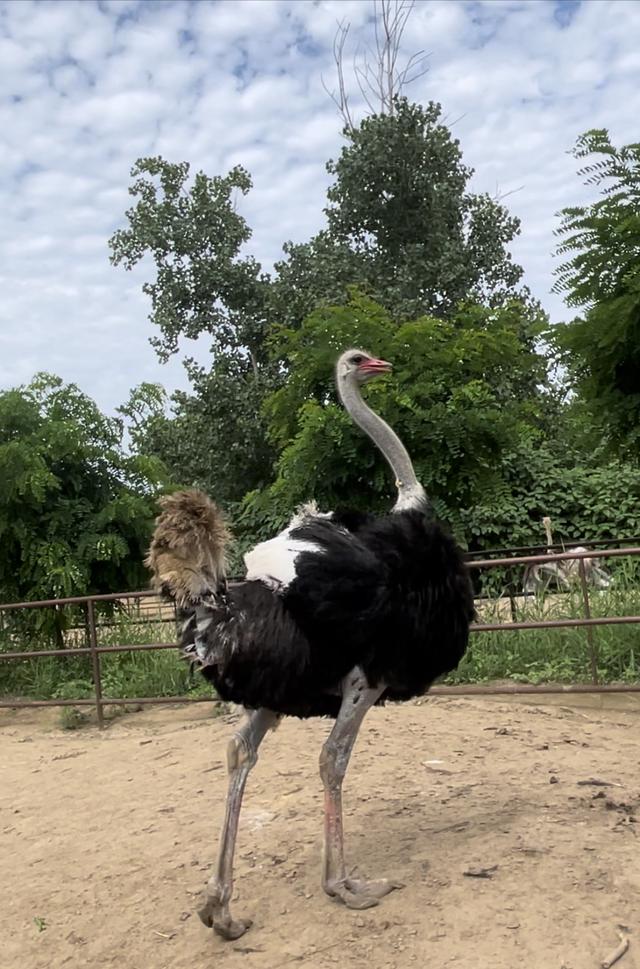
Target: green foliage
x,y
401,225
496,446
214,439
587,495
146,673
460,393
76,512
559,655
145,408
602,347
495,450
194,236
225,408
135,674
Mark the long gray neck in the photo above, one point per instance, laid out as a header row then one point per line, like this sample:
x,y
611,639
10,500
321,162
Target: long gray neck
x,y
411,494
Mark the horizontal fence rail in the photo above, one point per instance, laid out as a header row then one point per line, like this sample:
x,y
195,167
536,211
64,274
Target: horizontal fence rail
x,y
554,557
521,550
79,600
95,651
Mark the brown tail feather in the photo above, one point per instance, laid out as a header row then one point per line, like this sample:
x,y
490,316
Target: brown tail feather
x,y
187,552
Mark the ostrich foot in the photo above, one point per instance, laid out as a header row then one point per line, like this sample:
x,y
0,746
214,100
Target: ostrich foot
x,y
216,915
358,893
377,888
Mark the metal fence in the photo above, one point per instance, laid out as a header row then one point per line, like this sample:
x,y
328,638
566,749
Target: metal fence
x,y
95,651
559,547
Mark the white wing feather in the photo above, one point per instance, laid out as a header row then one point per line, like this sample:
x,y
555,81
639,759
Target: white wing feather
x,y
274,561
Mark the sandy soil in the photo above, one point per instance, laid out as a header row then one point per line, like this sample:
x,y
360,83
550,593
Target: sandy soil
x,y
107,840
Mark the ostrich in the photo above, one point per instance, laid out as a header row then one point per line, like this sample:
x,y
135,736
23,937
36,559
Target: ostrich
x,y
565,573
337,613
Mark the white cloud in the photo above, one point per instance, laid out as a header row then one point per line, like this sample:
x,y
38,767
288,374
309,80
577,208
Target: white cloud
x,y
88,87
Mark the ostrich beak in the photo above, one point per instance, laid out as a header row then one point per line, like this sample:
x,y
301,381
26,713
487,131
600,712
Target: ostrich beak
x,y
372,367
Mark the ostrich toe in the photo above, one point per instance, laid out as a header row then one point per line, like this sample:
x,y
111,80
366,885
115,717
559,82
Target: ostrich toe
x,y
360,894
221,922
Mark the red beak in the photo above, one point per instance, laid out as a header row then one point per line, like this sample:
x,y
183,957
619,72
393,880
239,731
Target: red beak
x,y
375,366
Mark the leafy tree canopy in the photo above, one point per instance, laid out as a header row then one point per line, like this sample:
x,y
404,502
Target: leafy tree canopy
x,y
458,397
401,225
76,512
216,437
494,453
601,348
194,235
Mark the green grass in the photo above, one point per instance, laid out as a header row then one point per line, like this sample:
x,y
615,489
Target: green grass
x,y
149,673
557,655
145,673
528,656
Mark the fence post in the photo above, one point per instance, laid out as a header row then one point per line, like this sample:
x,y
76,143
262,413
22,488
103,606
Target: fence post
x,y
95,661
593,649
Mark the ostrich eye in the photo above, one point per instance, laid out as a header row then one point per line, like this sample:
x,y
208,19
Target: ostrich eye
x,y
357,359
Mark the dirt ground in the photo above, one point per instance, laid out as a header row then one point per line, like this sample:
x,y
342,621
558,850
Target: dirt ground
x,y
108,838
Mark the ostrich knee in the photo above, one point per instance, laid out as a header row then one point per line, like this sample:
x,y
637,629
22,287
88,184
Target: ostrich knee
x,y
242,754
333,765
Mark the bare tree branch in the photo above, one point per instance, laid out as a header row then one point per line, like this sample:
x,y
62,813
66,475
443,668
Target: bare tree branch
x,y
498,196
378,76
417,61
362,77
341,100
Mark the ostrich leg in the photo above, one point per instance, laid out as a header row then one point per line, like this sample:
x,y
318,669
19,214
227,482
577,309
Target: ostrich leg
x,y
357,698
242,754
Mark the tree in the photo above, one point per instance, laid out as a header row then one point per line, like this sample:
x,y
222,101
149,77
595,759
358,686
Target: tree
x,y
76,512
216,437
494,455
194,235
401,225
380,78
459,397
602,347
202,286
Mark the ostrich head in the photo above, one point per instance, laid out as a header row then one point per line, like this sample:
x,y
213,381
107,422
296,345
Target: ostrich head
x,y
360,366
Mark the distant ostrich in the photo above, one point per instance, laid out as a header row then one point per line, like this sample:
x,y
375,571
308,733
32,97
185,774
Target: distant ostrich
x,y
564,573
337,613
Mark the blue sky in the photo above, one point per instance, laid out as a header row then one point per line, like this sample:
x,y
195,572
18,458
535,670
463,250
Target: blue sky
x,y
87,87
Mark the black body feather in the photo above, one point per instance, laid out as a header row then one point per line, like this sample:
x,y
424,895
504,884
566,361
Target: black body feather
x,y
391,595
